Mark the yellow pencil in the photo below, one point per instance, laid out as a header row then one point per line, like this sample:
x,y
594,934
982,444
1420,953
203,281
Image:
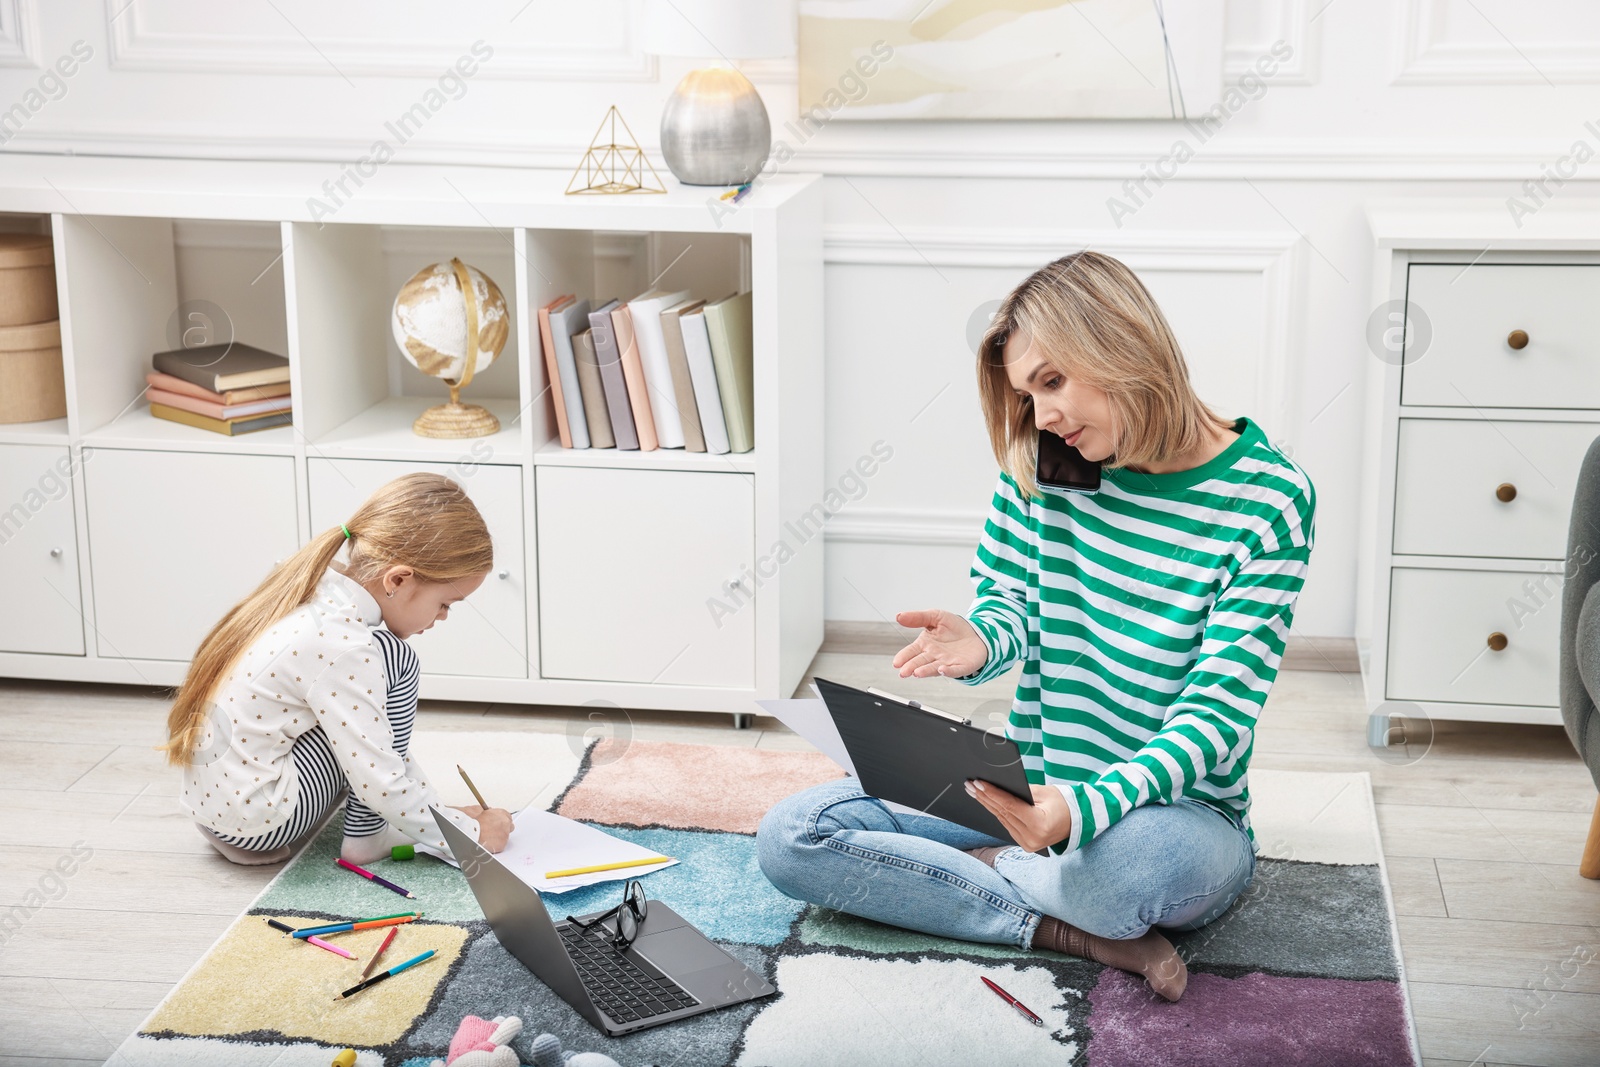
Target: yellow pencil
x,y
646,862
482,803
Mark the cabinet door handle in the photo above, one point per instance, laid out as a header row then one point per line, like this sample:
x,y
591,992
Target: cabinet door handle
x,y
55,553
1517,339
1497,641
503,575
1505,492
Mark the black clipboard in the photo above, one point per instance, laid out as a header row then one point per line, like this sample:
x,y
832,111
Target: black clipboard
x,y
919,757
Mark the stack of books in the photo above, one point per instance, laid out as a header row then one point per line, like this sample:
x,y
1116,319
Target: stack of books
x,y
663,370
228,389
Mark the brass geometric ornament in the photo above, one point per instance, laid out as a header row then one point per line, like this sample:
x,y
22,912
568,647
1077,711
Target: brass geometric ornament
x,y
612,166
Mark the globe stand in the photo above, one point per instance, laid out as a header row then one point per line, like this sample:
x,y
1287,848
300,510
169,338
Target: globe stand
x,y
456,419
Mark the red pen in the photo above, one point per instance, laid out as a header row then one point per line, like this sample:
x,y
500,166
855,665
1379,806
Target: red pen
x,y
1014,1002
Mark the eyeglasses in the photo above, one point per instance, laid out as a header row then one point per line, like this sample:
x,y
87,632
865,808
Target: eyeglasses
x,y
630,917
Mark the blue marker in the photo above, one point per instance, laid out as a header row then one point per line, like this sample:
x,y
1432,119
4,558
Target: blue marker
x,y
381,975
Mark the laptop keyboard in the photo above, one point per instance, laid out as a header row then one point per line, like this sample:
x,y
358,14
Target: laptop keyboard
x,y
617,985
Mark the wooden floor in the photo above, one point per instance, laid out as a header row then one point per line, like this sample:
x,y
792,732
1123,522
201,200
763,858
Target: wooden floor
x,y
1482,830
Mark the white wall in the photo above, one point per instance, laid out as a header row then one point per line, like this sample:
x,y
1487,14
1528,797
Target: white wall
x,y
1257,247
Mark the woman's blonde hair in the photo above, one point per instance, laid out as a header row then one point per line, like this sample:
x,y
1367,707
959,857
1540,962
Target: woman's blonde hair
x,y
1092,319
422,521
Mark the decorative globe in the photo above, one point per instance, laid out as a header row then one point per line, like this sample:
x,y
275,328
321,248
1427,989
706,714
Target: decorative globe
x,y
450,322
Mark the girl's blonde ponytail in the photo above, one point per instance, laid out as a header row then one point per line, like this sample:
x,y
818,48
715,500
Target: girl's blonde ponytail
x,y
423,521
285,589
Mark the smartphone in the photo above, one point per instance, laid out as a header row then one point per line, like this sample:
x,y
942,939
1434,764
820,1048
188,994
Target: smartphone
x,y
1060,468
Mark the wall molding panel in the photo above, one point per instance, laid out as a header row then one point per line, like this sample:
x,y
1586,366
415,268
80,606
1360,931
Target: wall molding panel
x,y
876,153
1238,250
1425,55
1278,257
1295,22
19,34
920,527
136,45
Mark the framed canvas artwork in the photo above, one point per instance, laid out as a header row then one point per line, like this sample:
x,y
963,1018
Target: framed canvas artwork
x,y
1010,59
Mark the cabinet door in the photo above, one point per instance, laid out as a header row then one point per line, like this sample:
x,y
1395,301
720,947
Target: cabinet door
x,y
176,539
39,552
486,635
634,569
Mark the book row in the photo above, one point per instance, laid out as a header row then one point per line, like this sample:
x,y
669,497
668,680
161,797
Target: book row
x,y
662,370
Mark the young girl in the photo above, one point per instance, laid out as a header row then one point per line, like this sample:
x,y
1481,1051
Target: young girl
x,y
306,691
1149,619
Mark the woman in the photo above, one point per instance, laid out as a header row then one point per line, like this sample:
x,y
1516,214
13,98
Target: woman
x,y
1149,619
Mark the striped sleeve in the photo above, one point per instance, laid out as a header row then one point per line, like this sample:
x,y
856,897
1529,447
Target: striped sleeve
x,y
1210,726
999,611
347,698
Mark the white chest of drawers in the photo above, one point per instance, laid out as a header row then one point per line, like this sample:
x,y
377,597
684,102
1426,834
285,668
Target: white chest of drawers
x,y
1483,394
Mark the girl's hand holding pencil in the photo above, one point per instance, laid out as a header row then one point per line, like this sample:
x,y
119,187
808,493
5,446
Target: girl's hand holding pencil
x,y
494,824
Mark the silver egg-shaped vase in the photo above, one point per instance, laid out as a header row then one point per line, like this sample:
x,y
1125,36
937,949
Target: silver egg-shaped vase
x,y
714,129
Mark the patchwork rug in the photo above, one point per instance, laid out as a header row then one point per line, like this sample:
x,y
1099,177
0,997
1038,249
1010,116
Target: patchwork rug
x,y
1304,969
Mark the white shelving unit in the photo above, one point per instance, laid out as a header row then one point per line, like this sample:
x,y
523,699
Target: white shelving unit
x,y
609,564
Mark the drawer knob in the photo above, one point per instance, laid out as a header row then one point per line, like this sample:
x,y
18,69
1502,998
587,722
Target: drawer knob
x,y
503,575
55,553
1505,492
1518,339
1497,641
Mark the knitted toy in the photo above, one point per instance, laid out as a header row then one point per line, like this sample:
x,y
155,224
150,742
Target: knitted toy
x,y
483,1043
547,1053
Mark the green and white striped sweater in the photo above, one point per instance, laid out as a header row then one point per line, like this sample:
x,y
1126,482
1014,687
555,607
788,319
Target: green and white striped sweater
x,y
1150,618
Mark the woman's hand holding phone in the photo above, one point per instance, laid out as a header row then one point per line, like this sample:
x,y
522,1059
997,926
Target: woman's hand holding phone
x,y
947,645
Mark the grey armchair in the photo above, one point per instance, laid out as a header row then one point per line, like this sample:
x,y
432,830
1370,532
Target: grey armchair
x,y
1580,637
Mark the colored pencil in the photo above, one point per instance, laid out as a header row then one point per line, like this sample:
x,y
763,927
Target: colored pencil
x,y
387,941
369,876
646,862
381,975
332,948
482,803
358,924
286,928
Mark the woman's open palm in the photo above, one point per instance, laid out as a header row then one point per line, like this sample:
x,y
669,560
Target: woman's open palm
x,y
947,645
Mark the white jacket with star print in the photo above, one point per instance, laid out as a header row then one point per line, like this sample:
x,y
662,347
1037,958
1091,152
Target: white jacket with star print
x,y
318,666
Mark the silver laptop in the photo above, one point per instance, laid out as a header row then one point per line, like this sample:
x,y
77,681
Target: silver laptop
x,y
670,972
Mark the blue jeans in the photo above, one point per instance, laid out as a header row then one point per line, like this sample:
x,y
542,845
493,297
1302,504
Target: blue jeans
x,y
1176,866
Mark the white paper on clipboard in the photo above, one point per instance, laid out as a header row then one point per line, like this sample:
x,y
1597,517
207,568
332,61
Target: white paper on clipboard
x,y
810,718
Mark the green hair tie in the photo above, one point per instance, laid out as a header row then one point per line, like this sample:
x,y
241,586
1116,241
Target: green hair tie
x,y
346,530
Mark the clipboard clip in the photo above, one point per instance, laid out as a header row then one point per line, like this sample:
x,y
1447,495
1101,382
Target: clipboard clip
x,y
919,706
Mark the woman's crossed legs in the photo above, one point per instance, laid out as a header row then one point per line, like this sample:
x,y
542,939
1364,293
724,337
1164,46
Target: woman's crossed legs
x,y
1175,866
